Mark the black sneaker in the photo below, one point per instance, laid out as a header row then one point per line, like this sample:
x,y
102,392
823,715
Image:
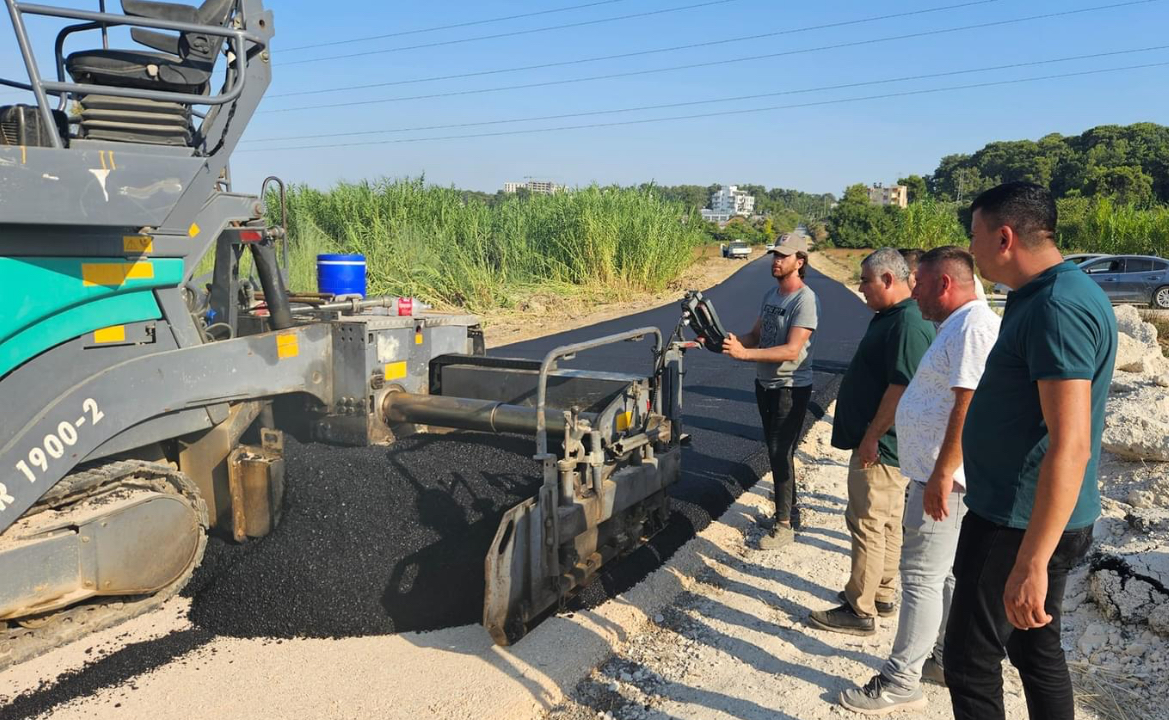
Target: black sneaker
x,y
842,619
884,609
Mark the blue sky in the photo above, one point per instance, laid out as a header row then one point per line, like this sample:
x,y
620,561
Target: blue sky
x,y
814,148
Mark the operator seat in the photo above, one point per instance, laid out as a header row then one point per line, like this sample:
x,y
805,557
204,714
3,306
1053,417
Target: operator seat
x,y
184,64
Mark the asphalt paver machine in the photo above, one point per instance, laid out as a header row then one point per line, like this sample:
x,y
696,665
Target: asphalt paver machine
x,y
142,407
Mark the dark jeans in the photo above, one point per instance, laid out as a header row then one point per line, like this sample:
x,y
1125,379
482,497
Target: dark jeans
x,y
782,411
979,633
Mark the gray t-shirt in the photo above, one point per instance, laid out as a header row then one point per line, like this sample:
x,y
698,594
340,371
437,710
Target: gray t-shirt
x,y
779,314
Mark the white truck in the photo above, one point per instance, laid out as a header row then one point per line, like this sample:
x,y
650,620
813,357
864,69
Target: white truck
x,y
736,250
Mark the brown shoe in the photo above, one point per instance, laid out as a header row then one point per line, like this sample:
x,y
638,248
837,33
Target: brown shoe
x,y
779,536
933,672
884,609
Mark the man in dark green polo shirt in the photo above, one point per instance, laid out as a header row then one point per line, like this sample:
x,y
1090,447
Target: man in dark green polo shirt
x,y
1030,445
881,369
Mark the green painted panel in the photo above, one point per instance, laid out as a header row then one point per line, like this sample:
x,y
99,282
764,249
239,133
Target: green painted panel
x,y
51,300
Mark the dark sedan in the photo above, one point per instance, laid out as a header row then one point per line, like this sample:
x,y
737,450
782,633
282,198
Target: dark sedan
x,y
1132,278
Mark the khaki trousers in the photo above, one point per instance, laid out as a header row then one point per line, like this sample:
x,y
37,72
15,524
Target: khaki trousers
x,y
876,501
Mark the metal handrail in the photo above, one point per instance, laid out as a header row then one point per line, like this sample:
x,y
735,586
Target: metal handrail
x,y
562,351
38,86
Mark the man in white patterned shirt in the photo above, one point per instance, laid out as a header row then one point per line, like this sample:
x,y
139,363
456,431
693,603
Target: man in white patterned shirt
x,y
929,424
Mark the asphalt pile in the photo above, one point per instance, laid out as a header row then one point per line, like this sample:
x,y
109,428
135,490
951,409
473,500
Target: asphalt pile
x,y
373,540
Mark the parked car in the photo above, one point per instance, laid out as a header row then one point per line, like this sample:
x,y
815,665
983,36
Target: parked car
x,y
1077,258
1081,258
736,250
1132,278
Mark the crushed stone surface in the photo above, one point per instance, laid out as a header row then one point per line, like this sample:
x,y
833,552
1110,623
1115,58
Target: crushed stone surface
x,y
736,643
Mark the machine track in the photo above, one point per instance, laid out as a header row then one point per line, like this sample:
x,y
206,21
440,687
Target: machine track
x,y
29,637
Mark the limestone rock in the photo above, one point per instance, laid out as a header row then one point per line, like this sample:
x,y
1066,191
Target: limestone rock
x,y
1094,638
1130,354
1129,322
1159,619
1134,437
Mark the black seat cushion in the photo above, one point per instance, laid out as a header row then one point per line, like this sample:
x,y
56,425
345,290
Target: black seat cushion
x,y
130,68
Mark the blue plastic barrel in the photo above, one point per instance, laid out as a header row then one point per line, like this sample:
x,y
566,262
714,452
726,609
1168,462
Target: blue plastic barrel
x,y
341,274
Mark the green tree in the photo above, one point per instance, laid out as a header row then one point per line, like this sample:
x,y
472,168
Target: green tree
x,y
916,184
1111,160
855,222
1126,184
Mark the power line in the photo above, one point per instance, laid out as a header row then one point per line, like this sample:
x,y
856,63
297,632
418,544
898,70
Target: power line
x,y
690,103
690,66
638,53
454,26
515,33
721,113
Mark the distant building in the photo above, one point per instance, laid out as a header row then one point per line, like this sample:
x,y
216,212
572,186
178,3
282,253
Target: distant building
x,y
893,195
543,187
730,200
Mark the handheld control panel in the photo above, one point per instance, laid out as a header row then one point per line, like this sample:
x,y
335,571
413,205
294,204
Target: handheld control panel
x,y
698,313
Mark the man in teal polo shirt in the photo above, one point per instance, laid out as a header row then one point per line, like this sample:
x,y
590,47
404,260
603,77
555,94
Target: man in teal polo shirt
x,y
885,360
1030,445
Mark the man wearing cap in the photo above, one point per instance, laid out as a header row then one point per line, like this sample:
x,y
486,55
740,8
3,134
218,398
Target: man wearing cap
x,y
780,345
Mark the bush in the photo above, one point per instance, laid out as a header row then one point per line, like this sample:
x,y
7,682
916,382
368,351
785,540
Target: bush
x,y
857,223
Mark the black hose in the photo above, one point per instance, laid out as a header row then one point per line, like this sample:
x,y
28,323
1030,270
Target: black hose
x,y
275,294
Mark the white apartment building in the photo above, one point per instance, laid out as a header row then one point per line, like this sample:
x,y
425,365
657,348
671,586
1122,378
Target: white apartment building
x,y
730,201
544,187
893,195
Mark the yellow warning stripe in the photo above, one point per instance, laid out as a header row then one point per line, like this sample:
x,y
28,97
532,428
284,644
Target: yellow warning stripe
x,y
287,345
140,244
115,274
396,371
112,334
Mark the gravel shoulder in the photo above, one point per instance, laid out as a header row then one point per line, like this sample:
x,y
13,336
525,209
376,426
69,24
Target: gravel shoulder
x,y
735,643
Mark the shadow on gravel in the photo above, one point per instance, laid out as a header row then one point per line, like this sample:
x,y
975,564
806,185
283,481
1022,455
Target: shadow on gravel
x,y
117,669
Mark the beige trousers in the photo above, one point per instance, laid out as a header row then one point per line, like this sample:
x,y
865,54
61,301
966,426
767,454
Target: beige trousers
x,y
876,502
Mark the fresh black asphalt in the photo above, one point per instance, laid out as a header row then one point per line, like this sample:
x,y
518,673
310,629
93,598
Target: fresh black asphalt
x,y
382,540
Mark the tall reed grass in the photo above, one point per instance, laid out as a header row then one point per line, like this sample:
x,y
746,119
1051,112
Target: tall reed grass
x,y
1102,226
928,224
431,243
